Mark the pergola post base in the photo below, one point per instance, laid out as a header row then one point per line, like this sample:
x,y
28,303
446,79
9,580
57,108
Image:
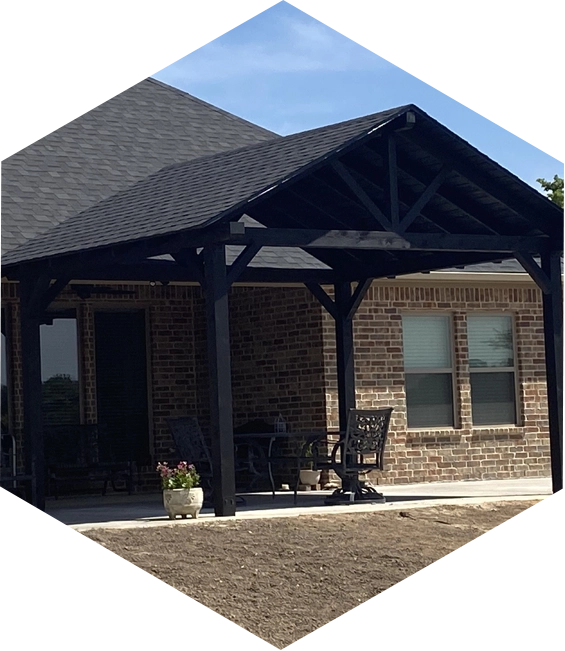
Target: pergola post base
x,y
362,494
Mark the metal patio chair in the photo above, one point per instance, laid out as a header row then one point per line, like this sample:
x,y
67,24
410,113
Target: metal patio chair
x,y
359,451
192,447
82,454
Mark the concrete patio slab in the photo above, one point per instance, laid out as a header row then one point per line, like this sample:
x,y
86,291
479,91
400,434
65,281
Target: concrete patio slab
x,y
143,510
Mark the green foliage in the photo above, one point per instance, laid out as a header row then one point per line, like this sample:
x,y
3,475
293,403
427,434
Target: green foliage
x,y
61,403
553,189
183,476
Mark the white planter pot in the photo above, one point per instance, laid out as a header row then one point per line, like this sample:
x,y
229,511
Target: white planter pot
x,y
310,477
183,502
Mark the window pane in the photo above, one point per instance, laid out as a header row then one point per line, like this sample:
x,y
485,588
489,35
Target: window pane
x,y
490,341
426,342
59,372
493,398
4,397
429,400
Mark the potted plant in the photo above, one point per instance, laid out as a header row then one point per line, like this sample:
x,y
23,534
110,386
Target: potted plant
x,y
309,476
182,494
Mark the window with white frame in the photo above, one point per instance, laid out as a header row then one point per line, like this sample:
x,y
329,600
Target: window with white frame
x,y
492,368
428,368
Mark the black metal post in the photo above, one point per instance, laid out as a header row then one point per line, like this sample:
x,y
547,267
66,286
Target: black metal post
x,y
553,333
31,393
344,352
219,365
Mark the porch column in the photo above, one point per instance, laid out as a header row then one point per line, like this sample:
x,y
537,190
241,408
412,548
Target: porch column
x,y
344,352
219,368
553,334
31,393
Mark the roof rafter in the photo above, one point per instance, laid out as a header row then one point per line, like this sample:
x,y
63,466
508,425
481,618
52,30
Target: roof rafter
x,y
478,178
411,170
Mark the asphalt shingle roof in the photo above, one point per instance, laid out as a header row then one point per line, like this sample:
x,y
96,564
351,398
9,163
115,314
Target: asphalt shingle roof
x,y
193,193
109,149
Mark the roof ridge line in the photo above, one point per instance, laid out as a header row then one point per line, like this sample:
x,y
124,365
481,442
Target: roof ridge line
x,y
216,109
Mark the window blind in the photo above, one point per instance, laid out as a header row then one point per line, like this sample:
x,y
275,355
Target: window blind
x,y
490,341
493,398
426,342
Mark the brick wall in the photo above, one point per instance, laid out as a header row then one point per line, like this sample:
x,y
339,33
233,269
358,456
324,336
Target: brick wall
x,y
464,452
283,361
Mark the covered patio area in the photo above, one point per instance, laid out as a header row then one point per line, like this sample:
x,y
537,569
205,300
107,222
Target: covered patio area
x,y
121,511
381,196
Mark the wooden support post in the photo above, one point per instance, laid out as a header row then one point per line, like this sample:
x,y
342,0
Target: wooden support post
x,y
553,333
31,392
344,352
219,365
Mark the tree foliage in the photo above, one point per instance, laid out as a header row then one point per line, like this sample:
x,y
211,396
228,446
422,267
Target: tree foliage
x,y
553,189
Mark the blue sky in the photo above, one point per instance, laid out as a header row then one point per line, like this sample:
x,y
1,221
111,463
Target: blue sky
x,y
489,70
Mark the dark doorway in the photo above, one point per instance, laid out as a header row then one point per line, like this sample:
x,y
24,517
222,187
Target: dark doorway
x,y
121,384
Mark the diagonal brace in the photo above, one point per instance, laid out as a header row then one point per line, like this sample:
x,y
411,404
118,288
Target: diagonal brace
x,y
358,191
191,260
324,299
537,274
348,309
423,199
240,263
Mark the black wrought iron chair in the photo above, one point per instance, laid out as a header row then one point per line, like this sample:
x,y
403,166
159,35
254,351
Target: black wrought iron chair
x,y
359,451
192,447
82,454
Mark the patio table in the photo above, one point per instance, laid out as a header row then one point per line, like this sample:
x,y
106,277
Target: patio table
x,y
307,438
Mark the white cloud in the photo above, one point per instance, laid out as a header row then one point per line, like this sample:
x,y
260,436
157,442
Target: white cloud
x,y
297,45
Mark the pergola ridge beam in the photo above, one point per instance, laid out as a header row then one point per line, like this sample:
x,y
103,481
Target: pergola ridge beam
x,y
424,198
358,191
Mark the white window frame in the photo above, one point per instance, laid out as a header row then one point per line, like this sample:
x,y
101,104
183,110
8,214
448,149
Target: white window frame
x,y
439,371
498,369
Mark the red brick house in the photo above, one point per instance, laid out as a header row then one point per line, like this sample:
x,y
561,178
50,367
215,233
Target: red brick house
x,y
111,212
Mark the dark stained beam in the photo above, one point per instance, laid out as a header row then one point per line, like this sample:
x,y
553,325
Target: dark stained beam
x,y
467,208
30,319
405,204
553,336
345,353
165,271
363,197
392,178
379,240
190,259
358,296
239,265
426,262
343,259
219,367
537,274
323,298
424,198
487,184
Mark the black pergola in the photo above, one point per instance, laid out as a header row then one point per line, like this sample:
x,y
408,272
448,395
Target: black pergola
x,y
377,197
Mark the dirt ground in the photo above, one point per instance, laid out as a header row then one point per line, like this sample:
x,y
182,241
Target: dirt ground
x,y
283,578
